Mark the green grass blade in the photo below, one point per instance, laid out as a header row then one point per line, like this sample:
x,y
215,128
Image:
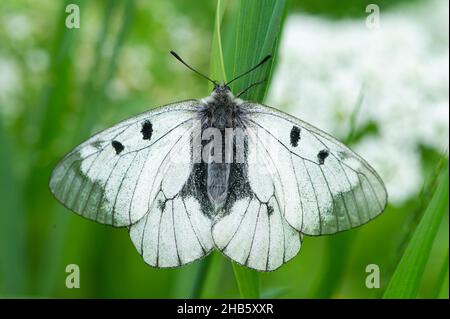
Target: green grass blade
x,y
415,213
201,276
441,288
255,34
211,282
339,251
408,274
247,281
12,223
217,63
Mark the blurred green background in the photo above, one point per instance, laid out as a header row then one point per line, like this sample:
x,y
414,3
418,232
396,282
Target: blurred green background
x,y
60,85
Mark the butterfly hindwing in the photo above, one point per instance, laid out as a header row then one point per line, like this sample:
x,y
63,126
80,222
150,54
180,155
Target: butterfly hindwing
x,y
326,187
251,229
255,234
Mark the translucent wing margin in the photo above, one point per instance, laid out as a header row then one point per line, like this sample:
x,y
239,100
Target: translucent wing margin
x,y
113,177
325,187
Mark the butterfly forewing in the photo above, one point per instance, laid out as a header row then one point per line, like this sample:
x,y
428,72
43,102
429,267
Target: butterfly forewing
x,y
328,188
112,177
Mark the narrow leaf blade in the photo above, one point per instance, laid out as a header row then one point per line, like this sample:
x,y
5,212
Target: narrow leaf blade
x,y
407,277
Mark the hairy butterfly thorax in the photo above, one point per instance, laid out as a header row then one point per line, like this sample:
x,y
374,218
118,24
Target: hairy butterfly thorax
x,y
221,108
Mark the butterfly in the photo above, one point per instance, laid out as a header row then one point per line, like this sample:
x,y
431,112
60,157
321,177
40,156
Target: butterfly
x,y
218,173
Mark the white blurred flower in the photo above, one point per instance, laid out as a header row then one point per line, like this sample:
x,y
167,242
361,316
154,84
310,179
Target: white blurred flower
x,y
401,70
17,26
10,82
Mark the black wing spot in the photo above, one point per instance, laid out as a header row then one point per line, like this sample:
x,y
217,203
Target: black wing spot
x,y
269,210
147,130
117,146
295,135
323,154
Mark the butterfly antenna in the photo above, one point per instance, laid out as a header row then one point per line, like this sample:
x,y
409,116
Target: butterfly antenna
x,y
191,68
267,58
251,86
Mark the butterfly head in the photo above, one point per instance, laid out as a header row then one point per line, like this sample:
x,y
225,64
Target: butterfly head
x,y
222,91
222,94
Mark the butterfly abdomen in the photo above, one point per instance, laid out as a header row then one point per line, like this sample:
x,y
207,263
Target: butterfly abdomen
x,y
217,183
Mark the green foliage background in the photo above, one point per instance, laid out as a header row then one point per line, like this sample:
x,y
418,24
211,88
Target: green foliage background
x,y
75,96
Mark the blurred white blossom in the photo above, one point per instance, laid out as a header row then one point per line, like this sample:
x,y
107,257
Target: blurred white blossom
x,y
17,26
401,70
10,83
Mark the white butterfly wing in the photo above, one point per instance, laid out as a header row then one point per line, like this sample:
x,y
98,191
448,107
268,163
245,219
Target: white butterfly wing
x,y
322,185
